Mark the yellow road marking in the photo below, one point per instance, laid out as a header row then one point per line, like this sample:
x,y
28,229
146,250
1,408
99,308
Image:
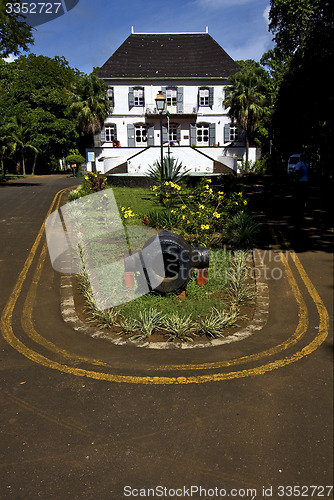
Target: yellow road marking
x,y
27,322
34,356
26,319
297,335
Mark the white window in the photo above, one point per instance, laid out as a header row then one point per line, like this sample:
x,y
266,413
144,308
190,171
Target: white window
x,y
110,133
110,94
171,97
138,95
173,132
141,135
204,97
202,135
234,133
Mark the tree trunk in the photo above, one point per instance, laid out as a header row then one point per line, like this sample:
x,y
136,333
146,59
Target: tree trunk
x,y
2,168
247,149
34,164
23,165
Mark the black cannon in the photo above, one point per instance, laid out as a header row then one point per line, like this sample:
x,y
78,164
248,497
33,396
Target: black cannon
x,y
174,269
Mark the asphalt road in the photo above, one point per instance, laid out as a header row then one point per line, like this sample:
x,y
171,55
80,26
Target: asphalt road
x,y
85,419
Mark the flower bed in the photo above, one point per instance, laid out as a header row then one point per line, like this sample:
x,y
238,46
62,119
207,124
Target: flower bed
x,y
211,214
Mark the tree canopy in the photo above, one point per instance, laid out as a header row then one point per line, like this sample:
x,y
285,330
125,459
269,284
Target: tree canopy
x,y
49,99
15,34
299,64
247,98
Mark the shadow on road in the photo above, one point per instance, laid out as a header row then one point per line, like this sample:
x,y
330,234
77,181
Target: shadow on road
x,y
273,201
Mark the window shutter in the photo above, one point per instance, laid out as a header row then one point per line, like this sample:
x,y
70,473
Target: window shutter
x,y
150,135
164,91
242,135
212,134
178,133
211,96
192,134
227,133
97,140
179,107
131,98
131,135
164,133
115,131
103,135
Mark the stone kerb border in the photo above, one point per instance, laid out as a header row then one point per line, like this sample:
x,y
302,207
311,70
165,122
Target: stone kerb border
x,y
258,321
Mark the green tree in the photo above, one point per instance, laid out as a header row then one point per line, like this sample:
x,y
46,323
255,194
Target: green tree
x,y
15,34
90,105
38,90
247,97
299,64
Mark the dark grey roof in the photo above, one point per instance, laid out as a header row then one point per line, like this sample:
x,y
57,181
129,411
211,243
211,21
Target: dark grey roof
x,y
174,55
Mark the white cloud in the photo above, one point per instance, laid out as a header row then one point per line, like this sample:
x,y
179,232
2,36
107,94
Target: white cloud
x,y
266,14
10,58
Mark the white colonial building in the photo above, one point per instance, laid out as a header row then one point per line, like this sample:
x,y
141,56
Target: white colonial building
x,y
191,70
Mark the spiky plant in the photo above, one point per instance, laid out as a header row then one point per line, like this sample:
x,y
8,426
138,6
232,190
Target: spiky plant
x,y
241,231
214,324
180,327
147,322
171,170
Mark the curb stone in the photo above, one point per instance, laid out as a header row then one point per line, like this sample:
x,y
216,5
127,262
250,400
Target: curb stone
x,y
258,321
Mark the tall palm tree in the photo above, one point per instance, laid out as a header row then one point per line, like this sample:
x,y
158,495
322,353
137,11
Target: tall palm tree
x,y
90,105
18,137
246,99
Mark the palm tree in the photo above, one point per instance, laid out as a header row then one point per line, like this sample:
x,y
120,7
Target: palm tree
x,y
18,137
90,105
246,99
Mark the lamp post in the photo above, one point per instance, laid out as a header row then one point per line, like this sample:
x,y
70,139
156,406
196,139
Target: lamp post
x,y
160,101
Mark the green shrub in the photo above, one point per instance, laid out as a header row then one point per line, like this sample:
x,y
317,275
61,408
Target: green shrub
x,y
241,231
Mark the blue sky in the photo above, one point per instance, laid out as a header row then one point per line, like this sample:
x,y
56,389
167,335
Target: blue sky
x,y
89,34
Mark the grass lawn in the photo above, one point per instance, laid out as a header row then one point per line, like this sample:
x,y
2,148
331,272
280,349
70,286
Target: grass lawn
x,y
141,201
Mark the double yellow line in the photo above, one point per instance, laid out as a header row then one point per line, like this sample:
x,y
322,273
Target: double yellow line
x,y
10,337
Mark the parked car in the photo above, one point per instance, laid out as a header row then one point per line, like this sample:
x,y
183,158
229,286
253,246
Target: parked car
x,y
293,160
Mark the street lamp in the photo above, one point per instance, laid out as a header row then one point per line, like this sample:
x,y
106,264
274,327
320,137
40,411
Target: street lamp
x,y
160,101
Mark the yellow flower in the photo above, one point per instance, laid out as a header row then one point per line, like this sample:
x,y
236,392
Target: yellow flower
x,y
183,207
216,214
205,226
245,202
240,194
201,206
154,188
